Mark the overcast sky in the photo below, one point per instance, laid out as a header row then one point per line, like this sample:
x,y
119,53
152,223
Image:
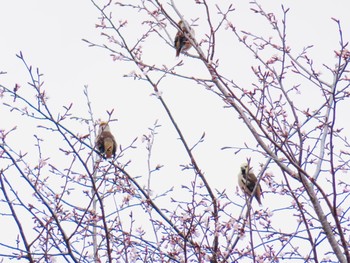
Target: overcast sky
x,y
50,33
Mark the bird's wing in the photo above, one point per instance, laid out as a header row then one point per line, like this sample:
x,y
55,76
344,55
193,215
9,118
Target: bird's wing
x,y
251,181
99,143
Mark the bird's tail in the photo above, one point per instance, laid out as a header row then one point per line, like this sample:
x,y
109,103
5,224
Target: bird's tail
x,y
108,145
258,195
178,52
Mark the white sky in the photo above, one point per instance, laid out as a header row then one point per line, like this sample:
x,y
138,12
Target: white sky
x,y
50,33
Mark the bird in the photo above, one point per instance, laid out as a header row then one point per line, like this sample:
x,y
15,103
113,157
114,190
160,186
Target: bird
x,y
247,181
181,42
105,142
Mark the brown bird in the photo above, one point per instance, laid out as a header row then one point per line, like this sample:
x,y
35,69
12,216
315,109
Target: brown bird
x,y
181,42
247,181
105,142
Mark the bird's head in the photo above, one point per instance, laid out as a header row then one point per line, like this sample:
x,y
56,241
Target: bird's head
x,y
244,168
103,126
181,24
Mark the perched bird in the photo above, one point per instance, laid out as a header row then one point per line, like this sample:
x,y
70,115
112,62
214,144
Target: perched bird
x,y
181,42
105,142
247,181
